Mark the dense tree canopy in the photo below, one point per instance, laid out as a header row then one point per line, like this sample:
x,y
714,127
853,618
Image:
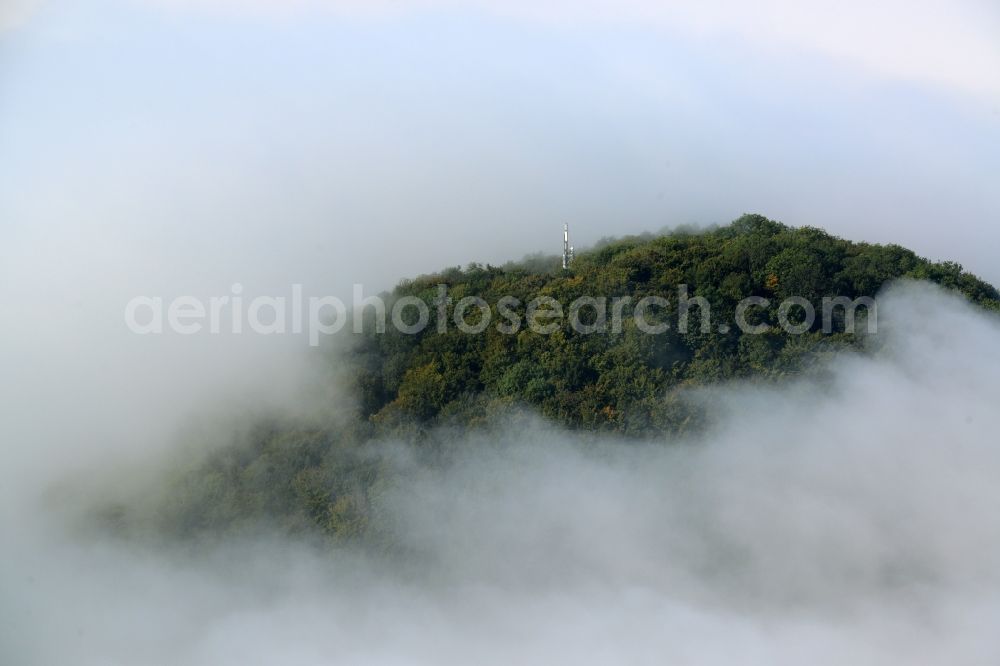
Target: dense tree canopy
x,y
620,381
409,386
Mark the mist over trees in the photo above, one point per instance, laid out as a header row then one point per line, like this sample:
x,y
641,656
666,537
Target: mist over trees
x,y
419,389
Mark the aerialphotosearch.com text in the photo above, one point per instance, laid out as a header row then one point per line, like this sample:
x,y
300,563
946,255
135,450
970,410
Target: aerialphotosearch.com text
x,y
317,316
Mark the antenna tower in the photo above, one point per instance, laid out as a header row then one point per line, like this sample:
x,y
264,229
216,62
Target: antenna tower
x,y
567,256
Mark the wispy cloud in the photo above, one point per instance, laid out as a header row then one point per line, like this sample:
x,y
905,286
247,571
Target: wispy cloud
x,y
850,521
14,13
932,42
942,43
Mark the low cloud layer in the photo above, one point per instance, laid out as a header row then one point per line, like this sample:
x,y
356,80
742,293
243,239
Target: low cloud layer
x,y
940,43
853,519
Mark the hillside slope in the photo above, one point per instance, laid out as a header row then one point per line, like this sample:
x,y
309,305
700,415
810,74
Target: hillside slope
x,y
618,381
418,388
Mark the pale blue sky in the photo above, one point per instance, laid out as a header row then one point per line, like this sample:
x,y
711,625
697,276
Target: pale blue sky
x,y
321,142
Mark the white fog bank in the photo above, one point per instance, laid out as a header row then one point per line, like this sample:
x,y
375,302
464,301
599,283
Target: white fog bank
x,y
848,521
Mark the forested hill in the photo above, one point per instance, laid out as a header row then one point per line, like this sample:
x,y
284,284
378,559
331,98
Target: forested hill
x,y
623,381
327,478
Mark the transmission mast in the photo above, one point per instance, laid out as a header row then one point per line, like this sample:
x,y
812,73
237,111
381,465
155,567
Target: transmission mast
x,y
567,248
